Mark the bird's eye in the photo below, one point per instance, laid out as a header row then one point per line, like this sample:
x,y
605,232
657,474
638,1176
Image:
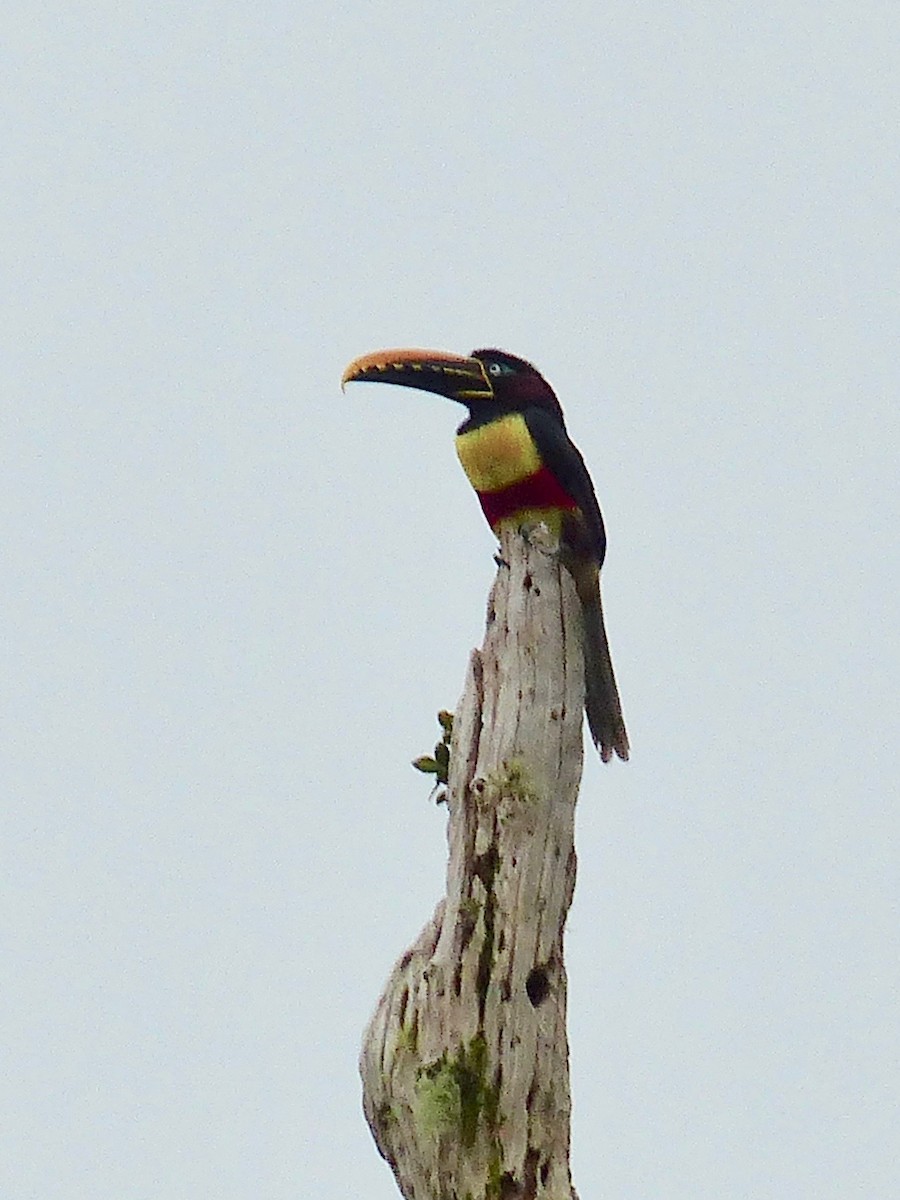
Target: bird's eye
x,y
497,368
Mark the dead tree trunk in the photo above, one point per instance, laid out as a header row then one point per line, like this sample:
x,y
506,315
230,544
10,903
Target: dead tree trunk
x,y
465,1063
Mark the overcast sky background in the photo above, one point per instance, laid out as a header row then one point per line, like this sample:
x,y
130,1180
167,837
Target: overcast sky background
x,y
233,599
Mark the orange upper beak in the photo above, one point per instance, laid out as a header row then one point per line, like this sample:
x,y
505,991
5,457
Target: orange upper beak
x,y
450,375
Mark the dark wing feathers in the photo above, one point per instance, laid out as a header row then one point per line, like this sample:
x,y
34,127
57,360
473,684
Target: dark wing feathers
x,y
564,460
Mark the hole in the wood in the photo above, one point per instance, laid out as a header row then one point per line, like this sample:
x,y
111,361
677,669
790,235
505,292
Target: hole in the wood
x,y
537,591
501,940
545,1172
537,986
404,1000
509,1189
527,581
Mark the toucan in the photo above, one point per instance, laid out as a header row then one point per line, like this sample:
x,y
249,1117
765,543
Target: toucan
x,y
517,454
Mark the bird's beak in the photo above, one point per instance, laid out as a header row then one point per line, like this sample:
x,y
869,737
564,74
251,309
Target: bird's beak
x,y
450,375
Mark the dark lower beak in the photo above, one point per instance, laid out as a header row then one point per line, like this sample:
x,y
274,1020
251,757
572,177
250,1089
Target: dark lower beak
x,y
450,375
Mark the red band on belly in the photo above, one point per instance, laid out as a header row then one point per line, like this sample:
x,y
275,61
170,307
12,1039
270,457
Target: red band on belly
x,y
540,490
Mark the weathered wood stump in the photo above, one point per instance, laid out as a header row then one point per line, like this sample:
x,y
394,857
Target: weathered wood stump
x,y
465,1063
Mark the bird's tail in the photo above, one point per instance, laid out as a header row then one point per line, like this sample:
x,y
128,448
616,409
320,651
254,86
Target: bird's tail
x,y
602,704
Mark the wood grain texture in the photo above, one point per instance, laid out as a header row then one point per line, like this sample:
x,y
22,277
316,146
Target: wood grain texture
x,y
465,1062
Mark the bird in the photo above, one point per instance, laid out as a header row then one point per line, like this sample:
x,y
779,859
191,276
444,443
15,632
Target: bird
x,y
517,454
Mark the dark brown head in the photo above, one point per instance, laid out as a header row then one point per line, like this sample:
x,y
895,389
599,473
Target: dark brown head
x,y
517,384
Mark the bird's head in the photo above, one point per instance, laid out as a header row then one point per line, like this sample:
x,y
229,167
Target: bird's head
x,y
485,376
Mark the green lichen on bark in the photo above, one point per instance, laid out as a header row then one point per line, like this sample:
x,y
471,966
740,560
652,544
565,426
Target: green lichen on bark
x,y
514,781
438,1101
478,1097
408,1037
495,1176
455,1096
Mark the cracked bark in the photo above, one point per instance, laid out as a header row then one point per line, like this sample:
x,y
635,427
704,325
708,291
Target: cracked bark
x,y
465,1062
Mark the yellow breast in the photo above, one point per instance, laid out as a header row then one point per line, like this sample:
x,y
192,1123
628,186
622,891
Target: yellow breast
x,y
498,454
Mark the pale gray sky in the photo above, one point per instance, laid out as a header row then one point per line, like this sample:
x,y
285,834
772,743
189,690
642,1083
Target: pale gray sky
x,y
234,599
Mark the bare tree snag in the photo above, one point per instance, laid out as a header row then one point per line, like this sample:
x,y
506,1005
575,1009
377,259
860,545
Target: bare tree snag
x,y
465,1063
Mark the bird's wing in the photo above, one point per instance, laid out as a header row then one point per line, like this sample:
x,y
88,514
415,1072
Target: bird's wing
x,y
564,461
